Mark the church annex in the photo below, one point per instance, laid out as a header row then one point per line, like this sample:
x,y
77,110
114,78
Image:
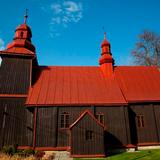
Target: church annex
x,y
86,110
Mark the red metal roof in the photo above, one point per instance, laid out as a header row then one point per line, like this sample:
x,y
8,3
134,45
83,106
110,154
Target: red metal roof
x,y
17,51
74,86
139,83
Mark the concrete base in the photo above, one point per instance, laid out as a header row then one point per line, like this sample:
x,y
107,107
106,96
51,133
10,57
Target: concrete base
x,y
148,147
57,155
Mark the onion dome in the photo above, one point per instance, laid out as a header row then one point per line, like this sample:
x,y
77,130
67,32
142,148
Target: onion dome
x,y
21,43
106,61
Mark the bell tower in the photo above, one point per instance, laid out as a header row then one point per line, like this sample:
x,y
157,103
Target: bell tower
x,y
17,61
106,61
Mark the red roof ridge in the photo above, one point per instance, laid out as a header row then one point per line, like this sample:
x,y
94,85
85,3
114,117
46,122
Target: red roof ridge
x,y
136,66
82,115
67,66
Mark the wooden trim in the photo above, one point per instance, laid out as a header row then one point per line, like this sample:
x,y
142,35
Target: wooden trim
x,y
130,146
148,144
76,104
88,156
35,127
24,147
13,95
82,115
142,101
52,148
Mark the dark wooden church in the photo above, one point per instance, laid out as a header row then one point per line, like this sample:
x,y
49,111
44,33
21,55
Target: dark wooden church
x,y
86,110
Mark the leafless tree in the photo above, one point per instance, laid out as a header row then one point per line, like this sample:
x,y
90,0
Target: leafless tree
x,y
147,50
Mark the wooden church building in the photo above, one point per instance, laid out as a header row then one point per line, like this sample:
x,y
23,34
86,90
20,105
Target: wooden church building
x,y
86,110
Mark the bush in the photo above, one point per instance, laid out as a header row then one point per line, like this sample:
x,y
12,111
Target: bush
x,y
10,150
26,152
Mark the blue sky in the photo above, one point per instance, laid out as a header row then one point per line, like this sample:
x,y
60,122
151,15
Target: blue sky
x,y
69,32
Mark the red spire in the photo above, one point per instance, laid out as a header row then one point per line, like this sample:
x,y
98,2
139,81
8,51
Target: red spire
x,y
21,43
106,61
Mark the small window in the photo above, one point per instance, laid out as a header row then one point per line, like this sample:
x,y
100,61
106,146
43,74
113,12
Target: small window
x,y
89,135
100,117
21,34
140,121
64,120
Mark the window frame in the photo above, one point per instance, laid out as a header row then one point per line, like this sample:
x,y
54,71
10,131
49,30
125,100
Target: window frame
x,y
140,121
99,116
64,120
89,135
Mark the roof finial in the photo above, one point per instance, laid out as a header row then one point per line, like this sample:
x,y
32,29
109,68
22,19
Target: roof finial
x,y
104,32
26,16
104,35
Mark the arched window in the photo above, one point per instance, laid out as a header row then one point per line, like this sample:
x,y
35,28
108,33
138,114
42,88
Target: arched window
x,y
100,117
64,123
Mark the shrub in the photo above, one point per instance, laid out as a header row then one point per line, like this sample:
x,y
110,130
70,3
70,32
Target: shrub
x,y
10,150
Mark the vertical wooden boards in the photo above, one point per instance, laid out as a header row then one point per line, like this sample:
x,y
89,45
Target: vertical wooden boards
x,y
16,122
15,75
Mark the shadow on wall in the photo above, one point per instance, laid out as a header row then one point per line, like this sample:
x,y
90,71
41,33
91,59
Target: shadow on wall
x,y
112,144
133,128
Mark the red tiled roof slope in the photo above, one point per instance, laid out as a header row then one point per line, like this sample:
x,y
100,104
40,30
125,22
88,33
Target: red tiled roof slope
x,y
139,83
74,86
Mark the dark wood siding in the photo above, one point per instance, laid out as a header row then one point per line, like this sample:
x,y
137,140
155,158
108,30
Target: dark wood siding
x,y
14,75
74,112
116,129
147,134
79,144
16,122
46,131
157,119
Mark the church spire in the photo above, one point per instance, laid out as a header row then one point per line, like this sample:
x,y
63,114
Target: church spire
x,y
22,39
106,61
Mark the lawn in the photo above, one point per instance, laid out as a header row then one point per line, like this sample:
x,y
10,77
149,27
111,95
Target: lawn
x,y
138,155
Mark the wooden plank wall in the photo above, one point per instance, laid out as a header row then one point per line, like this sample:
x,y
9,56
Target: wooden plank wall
x,y
116,129
74,113
17,121
14,75
120,122
79,144
114,120
156,110
46,134
148,134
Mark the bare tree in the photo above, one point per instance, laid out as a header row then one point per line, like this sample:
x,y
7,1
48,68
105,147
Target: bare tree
x,y
147,50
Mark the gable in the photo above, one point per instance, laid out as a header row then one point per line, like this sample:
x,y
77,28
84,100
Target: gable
x,y
88,117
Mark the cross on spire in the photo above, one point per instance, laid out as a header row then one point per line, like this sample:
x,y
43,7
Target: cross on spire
x,y
104,32
104,35
26,16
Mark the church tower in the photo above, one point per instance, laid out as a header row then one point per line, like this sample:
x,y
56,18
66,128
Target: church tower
x,y
18,59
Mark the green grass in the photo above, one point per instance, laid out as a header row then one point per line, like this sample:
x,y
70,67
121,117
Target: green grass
x,y
138,155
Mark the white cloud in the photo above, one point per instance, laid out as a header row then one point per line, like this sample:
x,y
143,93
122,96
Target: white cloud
x,y
71,6
66,12
56,8
1,44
